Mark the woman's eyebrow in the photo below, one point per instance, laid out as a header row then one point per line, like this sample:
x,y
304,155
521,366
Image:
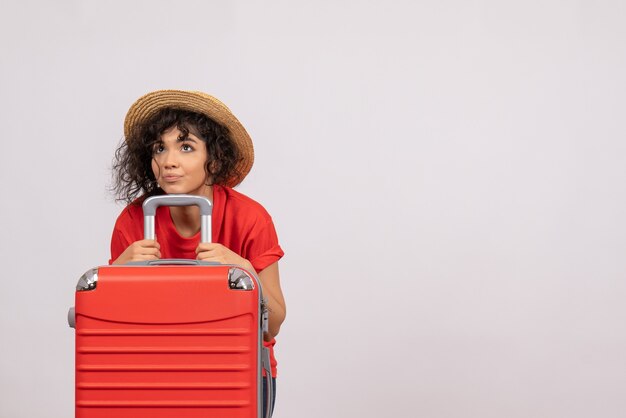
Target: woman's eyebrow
x,y
186,138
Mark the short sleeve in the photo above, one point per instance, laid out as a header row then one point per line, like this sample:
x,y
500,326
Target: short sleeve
x,y
119,243
124,233
262,248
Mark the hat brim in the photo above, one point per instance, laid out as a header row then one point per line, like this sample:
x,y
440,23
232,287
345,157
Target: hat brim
x,y
194,101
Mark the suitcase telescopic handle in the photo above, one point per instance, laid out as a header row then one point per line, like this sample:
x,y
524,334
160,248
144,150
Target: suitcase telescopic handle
x,y
151,204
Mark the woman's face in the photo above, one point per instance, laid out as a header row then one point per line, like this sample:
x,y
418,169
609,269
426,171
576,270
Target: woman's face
x,y
179,163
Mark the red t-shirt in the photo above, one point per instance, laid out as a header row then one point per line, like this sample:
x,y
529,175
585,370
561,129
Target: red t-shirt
x,y
238,223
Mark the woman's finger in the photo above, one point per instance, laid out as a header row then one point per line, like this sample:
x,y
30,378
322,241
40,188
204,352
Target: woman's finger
x,y
149,251
143,257
207,256
148,243
206,246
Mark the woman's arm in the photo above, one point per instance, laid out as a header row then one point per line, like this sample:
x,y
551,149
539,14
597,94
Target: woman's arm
x,y
268,276
270,281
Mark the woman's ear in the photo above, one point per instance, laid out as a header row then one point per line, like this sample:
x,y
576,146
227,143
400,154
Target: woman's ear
x,y
214,166
208,180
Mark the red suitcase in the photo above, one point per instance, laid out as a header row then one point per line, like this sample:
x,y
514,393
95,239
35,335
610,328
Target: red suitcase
x,y
171,338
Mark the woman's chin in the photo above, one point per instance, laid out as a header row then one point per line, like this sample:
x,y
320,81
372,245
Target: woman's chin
x,y
175,189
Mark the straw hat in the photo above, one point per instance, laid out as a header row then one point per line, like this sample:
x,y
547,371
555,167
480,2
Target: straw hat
x,y
147,106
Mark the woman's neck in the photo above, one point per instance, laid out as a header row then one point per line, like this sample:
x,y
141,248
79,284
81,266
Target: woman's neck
x,y
187,218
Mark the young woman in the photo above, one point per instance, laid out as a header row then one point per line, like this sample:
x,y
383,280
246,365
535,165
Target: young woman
x,y
190,142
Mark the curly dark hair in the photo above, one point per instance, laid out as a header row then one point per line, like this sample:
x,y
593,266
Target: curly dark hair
x,y
132,165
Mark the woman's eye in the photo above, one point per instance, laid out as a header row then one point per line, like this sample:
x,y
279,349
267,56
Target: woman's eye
x,y
158,149
187,147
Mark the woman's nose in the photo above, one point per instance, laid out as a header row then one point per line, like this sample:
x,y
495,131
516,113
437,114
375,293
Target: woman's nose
x,y
170,160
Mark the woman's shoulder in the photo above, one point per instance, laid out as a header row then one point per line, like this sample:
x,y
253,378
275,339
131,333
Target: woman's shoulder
x,y
235,201
132,212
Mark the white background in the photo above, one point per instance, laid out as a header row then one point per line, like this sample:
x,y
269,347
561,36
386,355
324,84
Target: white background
x,y
446,177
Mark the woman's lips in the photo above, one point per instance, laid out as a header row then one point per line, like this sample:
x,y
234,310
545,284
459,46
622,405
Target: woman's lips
x,y
171,179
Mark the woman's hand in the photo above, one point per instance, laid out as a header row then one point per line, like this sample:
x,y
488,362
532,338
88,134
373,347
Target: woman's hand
x,y
147,249
218,253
